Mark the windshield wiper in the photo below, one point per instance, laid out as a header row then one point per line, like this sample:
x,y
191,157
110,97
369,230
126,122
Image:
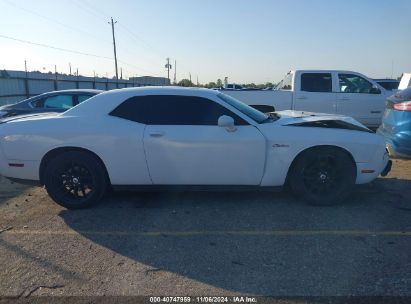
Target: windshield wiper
x,y
272,116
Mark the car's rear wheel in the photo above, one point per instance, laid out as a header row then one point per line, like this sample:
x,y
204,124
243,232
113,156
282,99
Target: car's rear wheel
x,y
75,179
323,175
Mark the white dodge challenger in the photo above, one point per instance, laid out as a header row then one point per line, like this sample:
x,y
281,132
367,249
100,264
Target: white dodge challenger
x,y
159,137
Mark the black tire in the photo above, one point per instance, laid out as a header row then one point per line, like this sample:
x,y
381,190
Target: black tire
x,y
323,176
75,179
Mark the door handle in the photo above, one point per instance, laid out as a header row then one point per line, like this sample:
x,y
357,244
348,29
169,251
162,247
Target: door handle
x,y
375,112
302,97
156,134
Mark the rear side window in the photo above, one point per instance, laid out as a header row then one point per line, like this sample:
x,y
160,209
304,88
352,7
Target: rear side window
x,y
316,82
81,98
173,110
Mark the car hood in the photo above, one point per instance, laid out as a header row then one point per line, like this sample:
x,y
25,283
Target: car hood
x,y
319,120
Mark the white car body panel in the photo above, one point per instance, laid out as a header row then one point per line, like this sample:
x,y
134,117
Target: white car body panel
x,y
405,81
256,154
205,155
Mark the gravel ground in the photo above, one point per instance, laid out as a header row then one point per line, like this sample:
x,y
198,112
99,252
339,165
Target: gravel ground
x,y
214,243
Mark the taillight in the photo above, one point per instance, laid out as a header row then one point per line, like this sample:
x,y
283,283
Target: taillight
x,y
403,106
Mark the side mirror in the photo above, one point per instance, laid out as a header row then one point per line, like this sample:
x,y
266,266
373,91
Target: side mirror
x,y
375,90
227,122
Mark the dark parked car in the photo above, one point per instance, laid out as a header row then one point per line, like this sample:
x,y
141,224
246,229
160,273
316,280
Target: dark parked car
x,y
57,101
396,124
388,84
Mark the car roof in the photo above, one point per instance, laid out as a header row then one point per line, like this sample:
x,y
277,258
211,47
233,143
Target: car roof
x,y
107,101
161,90
72,91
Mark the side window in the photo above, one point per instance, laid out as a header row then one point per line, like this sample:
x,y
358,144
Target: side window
x,y
58,102
316,82
350,83
286,83
81,98
173,110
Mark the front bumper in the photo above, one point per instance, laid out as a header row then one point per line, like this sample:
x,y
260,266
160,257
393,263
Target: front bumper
x,y
378,165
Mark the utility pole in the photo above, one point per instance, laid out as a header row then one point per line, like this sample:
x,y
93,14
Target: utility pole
x,y
168,67
77,82
190,77
70,67
55,75
26,80
197,81
175,71
114,44
121,73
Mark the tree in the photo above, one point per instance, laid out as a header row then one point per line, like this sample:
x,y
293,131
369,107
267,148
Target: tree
x,y
185,83
219,83
211,84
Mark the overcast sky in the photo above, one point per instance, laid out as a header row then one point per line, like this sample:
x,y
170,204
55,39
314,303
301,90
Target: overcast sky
x,y
247,41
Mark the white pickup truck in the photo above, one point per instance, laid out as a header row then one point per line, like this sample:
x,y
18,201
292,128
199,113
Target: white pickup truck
x,y
323,91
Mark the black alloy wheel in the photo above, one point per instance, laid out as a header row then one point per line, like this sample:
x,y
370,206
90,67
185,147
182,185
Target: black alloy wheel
x,y
75,179
323,175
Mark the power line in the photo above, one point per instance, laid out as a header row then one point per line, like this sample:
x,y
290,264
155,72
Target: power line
x,y
72,51
54,21
103,15
54,47
86,7
81,6
95,9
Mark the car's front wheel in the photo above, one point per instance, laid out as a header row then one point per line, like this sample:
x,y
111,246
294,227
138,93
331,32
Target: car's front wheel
x,y
75,179
323,175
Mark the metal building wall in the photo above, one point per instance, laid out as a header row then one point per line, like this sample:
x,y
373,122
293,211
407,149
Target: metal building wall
x,y
19,85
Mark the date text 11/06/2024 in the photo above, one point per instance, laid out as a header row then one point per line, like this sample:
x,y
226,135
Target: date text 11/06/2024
x,y
186,299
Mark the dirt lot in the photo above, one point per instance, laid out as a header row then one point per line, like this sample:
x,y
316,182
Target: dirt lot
x,y
209,243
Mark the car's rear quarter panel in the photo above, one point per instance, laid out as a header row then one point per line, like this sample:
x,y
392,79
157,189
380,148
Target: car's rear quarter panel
x,y
118,143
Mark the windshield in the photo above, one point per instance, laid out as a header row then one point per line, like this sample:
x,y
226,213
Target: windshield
x,y
286,83
243,108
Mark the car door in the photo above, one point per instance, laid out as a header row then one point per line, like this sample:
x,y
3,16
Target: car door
x,y
315,93
185,146
360,99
